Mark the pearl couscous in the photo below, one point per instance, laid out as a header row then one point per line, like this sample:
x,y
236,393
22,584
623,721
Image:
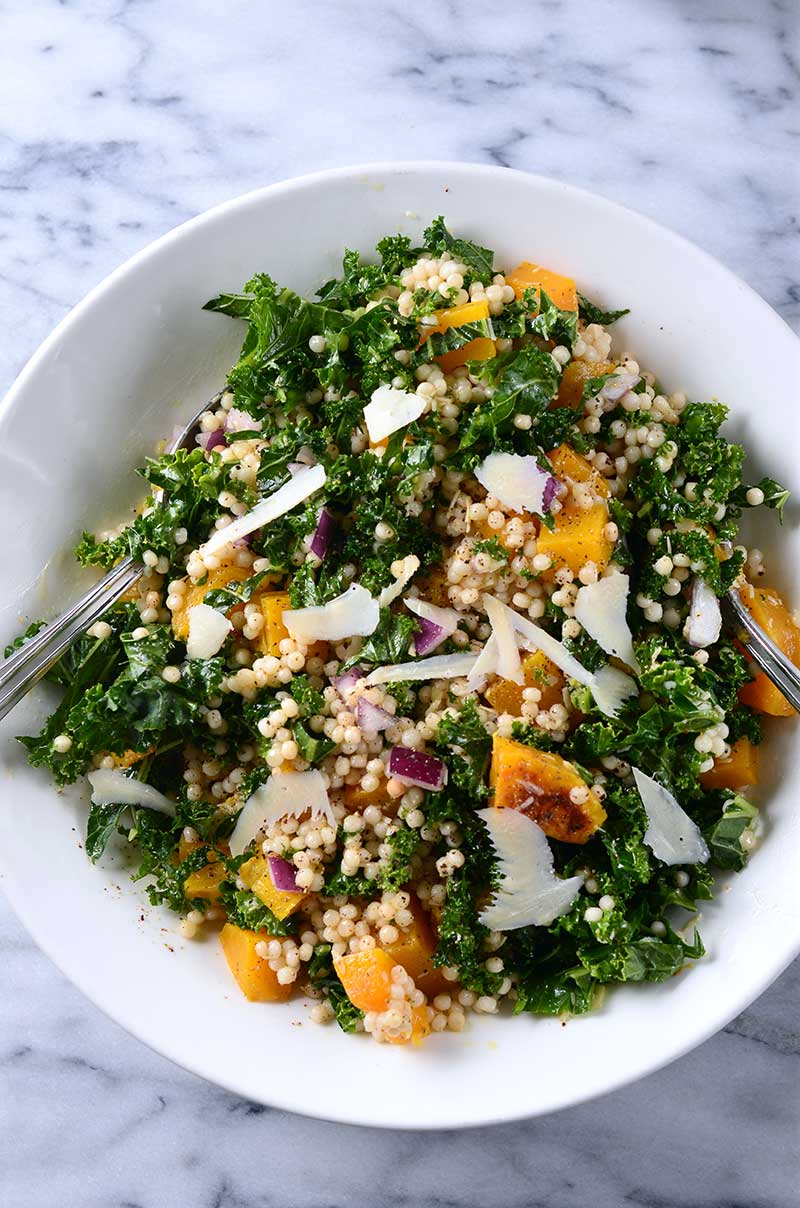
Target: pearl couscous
x,y
422,700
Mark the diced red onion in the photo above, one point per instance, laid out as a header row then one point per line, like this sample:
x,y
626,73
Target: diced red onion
x,y
704,623
371,718
282,874
417,768
241,421
211,440
619,384
550,492
326,526
347,680
429,636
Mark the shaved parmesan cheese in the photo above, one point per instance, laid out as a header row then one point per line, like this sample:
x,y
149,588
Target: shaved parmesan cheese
x,y
529,894
302,484
671,834
445,618
509,665
390,593
608,686
704,622
390,410
601,609
352,613
110,786
441,666
485,665
611,688
518,482
285,794
208,629
535,638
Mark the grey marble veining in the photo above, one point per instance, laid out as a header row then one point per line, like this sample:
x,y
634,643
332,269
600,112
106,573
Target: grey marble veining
x,y
119,119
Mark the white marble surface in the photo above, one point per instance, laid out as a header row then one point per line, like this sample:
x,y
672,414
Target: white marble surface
x,y
119,119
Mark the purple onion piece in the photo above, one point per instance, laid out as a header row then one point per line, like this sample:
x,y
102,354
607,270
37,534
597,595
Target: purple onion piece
x,y
619,384
282,874
428,637
371,718
347,680
326,526
550,492
417,768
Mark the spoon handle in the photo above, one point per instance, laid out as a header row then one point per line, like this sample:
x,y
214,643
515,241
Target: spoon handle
x,y
25,666
761,648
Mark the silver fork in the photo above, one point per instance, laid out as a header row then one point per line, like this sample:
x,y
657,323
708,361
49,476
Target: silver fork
x,y
761,648
26,666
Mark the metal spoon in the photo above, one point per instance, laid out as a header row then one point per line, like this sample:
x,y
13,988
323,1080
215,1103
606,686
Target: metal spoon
x,y
25,666
761,648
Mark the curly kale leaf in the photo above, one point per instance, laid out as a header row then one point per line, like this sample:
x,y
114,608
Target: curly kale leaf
x,y
524,383
245,910
595,314
479,260
323,977
403,844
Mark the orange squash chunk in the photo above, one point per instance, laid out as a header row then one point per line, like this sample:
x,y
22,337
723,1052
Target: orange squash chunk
x,y
367,978
506,697
574,377
256,876
414,950
769,610
559,289
578,535
479,349
434,587
205,882
356,798
273,604
739,770
256,980
227,572
538,783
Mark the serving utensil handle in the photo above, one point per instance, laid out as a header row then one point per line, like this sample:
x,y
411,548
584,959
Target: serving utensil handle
x,y
25,666
761,648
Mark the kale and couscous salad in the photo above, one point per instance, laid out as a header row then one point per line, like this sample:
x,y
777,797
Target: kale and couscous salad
x,y
423,700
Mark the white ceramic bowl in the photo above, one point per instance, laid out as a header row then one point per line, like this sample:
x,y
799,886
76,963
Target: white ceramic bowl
x,y
139,354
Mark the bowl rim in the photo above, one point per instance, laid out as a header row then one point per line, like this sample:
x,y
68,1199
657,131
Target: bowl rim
x,y
715,1020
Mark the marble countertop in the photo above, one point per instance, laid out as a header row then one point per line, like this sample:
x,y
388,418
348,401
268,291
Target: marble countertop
x,y
119,119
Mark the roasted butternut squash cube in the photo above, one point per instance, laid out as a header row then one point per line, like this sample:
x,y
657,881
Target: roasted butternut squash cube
x,y
576,539
569,466
256,876
367,978
769,610
434,587
226,572
506,697
539,784
479,349
273,604
574,378
543,674
739,770
414,949
356,798
256,980
205,882
558,288
458,316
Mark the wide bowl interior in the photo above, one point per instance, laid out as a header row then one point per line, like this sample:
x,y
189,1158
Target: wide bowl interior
x,y
137,356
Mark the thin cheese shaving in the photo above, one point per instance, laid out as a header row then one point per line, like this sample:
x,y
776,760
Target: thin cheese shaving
x,y
299,487
389,410
441,666
285,794
110,786
501,619
353,613
208,629
529,893
601,609
390,593
671,834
